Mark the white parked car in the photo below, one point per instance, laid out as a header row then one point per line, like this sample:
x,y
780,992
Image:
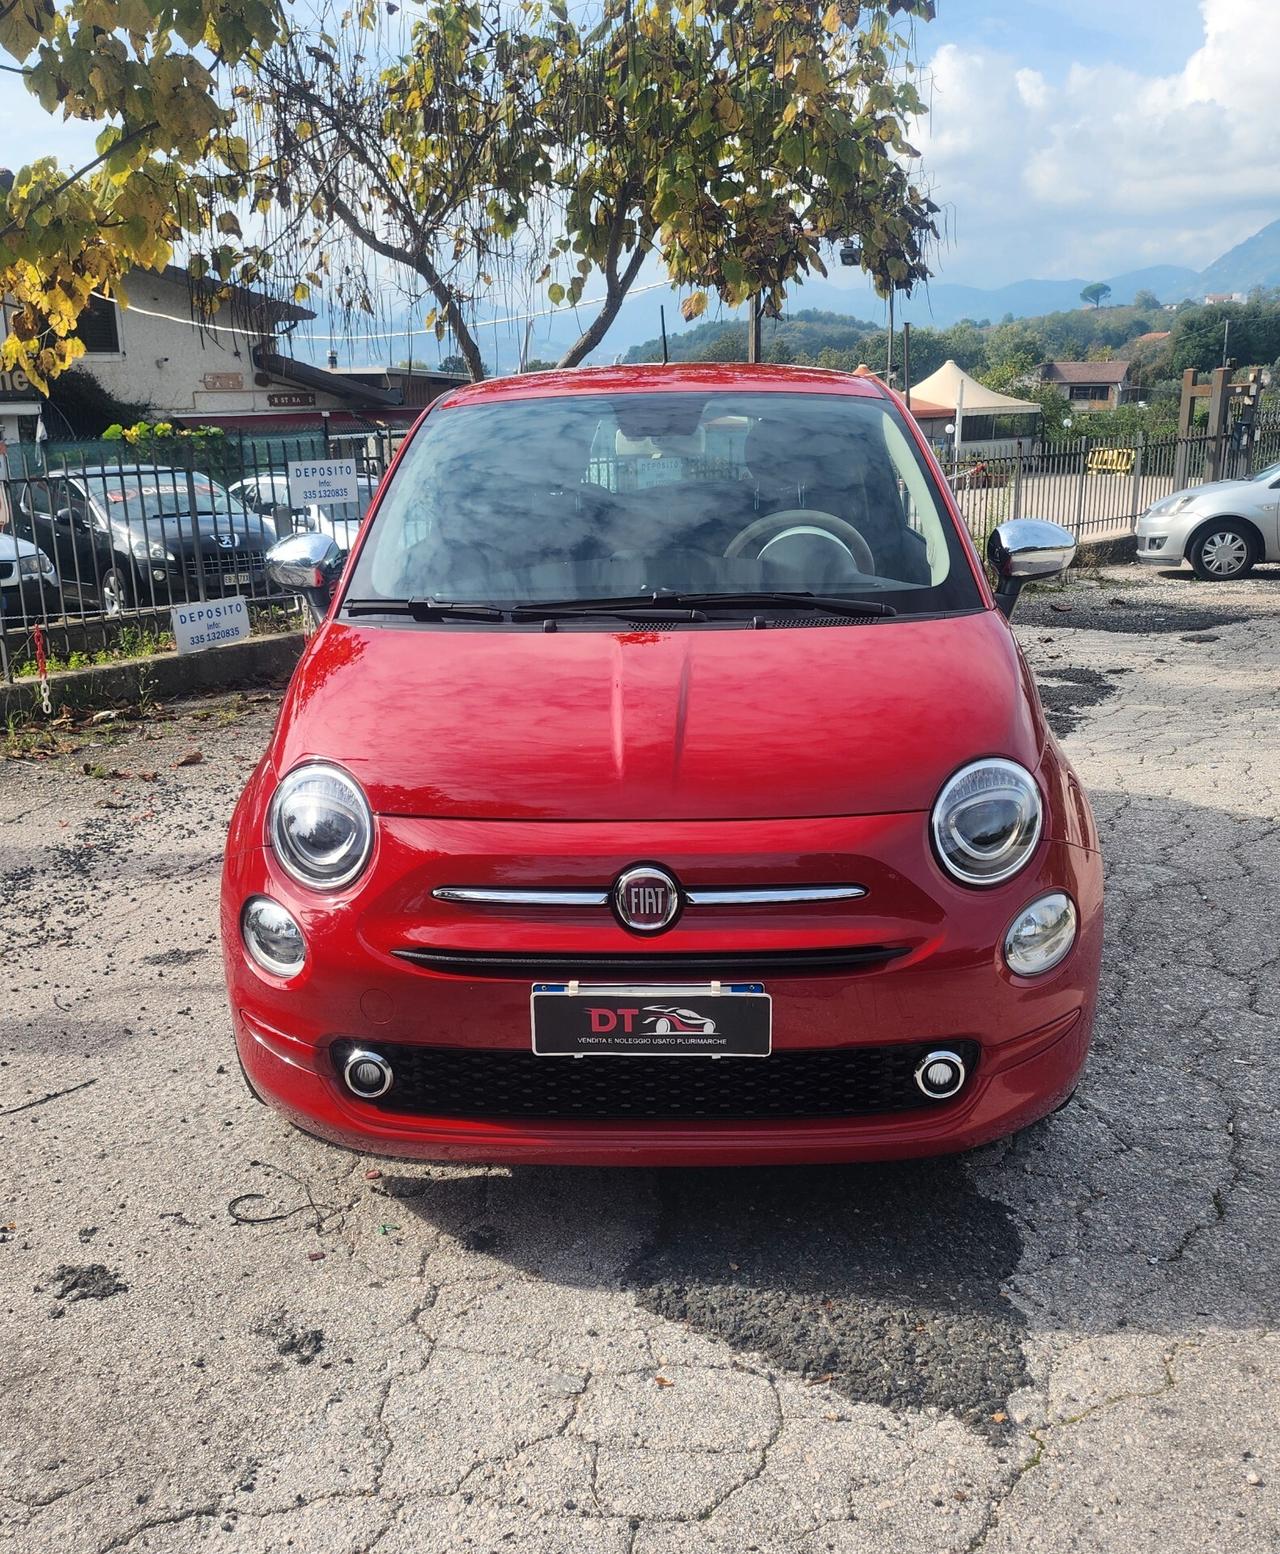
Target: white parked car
x,y
340,521
28,581
1223,529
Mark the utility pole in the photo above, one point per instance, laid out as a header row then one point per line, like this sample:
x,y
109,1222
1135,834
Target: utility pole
x,y
888,360
1226,338
753,328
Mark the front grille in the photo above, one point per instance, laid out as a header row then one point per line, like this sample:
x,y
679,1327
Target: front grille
x,y
814,1082
554,968
224,563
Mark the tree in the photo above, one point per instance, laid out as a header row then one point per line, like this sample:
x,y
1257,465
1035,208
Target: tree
x,y
505,141
1146,300
731,142
1096,293
152,74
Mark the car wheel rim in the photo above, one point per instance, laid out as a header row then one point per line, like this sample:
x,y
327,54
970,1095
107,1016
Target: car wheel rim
x,y
111,594
1224,553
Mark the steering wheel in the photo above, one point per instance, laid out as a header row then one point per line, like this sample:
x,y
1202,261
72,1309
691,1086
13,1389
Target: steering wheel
x,y
804,520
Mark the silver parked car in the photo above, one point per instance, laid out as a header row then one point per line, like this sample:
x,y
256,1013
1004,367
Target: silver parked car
x,y
1223,529
338,521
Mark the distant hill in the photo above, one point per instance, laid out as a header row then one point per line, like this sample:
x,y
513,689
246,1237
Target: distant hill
x,y
1255,262
804,333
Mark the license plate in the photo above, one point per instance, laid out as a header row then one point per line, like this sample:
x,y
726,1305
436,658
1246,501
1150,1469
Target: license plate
x,y
238,577
726,1020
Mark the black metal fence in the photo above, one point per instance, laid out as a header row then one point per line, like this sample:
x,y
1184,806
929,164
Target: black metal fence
x,y
99,542
1099,488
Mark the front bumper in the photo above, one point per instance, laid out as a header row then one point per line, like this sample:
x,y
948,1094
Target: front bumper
x,y
947,984
30,600
1162,542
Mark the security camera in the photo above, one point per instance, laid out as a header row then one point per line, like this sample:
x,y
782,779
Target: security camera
x,y
850,253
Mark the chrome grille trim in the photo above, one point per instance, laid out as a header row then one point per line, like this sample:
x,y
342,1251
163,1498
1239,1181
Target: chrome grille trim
x,y
552,896
475,895
774,895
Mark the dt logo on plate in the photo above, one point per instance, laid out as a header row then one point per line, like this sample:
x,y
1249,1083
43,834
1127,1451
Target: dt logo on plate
x,y
646,899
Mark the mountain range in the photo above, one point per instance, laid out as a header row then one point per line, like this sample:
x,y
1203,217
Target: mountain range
x,y
1255,262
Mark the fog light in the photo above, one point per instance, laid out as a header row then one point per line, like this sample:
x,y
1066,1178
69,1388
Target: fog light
x,y
1041,935
159,574
939,1075
367,1074
272,937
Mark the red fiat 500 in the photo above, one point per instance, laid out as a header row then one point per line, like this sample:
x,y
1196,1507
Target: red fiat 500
x,y
664,785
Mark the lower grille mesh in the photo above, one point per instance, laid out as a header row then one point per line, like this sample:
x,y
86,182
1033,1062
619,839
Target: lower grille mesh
x,y
813,1082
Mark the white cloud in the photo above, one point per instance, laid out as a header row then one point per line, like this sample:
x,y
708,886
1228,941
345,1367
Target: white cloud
x,y
1108,169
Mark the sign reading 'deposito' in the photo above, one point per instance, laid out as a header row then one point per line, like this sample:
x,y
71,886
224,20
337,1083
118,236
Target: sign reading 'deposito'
x,y
197,626
322,480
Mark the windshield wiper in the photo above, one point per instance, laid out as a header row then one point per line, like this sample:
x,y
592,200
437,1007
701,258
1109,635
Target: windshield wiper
x,y
830,604
424,609
648,607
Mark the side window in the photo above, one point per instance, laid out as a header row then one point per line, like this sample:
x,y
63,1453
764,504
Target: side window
x,y
37,499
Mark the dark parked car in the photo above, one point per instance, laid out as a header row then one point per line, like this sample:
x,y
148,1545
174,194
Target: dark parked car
x,y
125,535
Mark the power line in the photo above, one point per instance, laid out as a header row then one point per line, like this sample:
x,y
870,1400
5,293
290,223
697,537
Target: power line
x,y
384,334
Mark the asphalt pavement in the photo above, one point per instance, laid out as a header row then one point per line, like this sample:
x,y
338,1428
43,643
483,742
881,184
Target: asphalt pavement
x,y
218,1333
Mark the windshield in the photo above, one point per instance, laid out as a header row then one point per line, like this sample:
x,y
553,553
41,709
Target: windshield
x,y
1264,477
590,497
159,494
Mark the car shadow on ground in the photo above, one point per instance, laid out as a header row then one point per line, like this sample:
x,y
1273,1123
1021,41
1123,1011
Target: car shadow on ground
x,y
886,1281
1150,1203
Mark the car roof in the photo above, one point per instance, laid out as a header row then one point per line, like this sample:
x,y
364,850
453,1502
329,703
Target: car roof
x,y
129,469
674,377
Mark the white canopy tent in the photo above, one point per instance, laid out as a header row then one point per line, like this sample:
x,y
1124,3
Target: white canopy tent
x,y
953,387
965,396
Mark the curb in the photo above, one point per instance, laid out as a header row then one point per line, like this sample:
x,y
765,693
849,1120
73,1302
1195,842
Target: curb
x,y
1102,553
258,661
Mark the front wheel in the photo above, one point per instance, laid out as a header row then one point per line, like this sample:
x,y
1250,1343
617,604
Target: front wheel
x,y
117,591
1223,552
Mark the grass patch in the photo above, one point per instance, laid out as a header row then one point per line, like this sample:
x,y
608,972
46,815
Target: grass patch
x,y
133,642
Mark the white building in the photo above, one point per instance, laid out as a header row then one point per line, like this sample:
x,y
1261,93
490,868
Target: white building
x,y
234,371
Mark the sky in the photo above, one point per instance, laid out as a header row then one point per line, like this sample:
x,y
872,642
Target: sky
x,y
1092,137
1065,138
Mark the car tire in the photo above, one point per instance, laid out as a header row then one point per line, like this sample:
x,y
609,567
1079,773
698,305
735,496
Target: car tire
x,y
116,587
1223,552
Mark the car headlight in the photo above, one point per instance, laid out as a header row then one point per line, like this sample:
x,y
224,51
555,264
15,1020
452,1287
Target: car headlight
x,y
986,821
1041,935
149,550
1173,504
272,936
35,566
321,826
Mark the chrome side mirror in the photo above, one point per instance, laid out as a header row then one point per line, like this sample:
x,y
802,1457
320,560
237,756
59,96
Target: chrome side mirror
x,y
306,564
1026,550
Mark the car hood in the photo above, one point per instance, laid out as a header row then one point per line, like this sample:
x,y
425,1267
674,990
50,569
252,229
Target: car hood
x,y
1211,493
11,547
660,725
175,530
